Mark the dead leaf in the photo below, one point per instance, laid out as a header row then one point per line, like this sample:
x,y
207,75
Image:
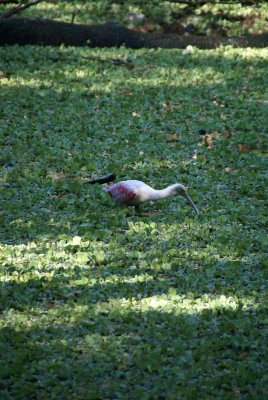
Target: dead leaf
x,y
136,114
209,138
169,107
56,176
172,137
121,63
246,148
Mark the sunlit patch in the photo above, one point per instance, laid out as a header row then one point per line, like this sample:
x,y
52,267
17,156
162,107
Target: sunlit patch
x,y
182,304
90,290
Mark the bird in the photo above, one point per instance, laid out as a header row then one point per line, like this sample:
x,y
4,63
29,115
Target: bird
x,y
134,193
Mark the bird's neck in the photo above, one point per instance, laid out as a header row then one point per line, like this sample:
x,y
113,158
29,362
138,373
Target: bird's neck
x,y
162,194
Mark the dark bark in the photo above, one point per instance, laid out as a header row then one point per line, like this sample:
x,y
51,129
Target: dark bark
x,y
46,32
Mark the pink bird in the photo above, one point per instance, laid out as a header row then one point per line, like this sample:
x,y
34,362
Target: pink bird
x,y
134,193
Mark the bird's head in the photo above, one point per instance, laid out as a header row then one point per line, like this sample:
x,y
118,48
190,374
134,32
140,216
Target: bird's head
x,y
180,189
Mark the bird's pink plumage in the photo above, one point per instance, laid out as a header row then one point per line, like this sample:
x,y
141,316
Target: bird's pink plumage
x,y
121,192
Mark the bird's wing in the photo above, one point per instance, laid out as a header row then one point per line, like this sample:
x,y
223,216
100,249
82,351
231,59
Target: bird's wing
x,y
121,192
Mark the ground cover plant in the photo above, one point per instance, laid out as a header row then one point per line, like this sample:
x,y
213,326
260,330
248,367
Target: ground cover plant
x,y
219,18
97,303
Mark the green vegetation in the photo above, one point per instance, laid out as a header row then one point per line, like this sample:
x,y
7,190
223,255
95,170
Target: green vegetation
x,y
234,19
96,302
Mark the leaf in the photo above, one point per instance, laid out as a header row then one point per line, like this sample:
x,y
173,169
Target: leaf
x,y
83,257
76,240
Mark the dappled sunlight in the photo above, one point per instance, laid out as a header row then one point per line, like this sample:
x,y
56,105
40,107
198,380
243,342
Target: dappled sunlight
x,y
31,83
187,304
58,313
42,85
88,287
98,76
244,54
105,347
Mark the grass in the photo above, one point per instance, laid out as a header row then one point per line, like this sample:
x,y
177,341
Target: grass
x,y
97,303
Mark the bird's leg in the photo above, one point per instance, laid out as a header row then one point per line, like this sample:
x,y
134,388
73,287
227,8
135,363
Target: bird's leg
x,y
139,213
137,210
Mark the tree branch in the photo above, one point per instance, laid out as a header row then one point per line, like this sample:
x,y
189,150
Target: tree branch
x,y
21,7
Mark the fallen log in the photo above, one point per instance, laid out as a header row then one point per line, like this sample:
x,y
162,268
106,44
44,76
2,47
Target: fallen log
x,y
33,31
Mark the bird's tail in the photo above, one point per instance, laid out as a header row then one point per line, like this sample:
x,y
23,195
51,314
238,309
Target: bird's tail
x,y
103,179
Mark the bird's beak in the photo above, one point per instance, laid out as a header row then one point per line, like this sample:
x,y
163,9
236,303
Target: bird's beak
x,y
186,195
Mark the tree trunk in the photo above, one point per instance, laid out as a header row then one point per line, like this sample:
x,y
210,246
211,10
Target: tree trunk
x,y
46,32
